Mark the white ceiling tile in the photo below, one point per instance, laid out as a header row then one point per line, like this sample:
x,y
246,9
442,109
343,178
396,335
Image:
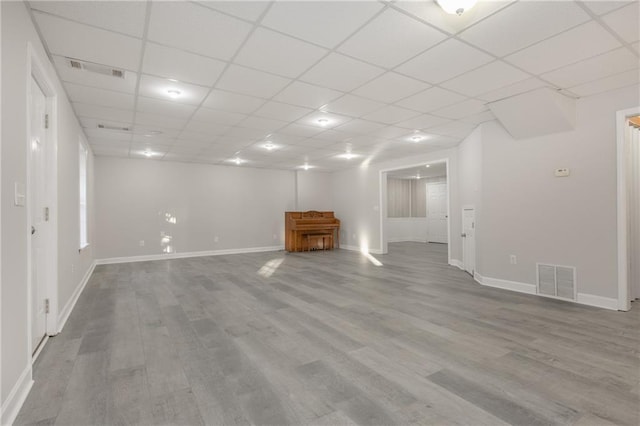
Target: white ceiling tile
x,y
636,46
108,136
479,118
308,95
260,123
245,134
522,22
269,51
218,116
433,14
153,140
159,88
234,102
104,113
423,121
335,136
625,22
280,111
604,6
321,22
91,95
617,81
390,87
180,65
197,29
444,61
341,73
353,106
121,16
488,77
565,48
97,142
463,109
162,107
391,38
203,132
431,99
250,82
594,68
301,130
360,126
513,89
249,10
87,43
455,129
85,78
155,120
391,114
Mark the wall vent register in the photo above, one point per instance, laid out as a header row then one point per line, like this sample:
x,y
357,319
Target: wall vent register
x,y
557,281
95,68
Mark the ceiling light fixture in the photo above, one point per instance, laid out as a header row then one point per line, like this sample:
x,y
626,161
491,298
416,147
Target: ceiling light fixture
x,y
323,121
428,165
269,146
148,154
456,7
416,138
237,160
306,166
173,93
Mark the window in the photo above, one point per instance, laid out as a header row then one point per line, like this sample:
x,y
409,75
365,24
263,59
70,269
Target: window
x,y
83,158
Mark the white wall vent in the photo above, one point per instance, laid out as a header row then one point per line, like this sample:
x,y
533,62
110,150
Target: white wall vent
x,y
113,128
96,68
557,281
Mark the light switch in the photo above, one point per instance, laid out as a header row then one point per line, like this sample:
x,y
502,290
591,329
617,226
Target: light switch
x,y
19,194
563,172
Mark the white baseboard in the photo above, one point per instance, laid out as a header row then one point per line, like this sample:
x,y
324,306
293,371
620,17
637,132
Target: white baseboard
x,y
599,301
457,263
582,298
63,316
406,240
150,257
12,404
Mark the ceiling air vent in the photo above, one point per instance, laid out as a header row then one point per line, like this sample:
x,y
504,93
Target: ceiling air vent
x,y
114,128
95,68
557,281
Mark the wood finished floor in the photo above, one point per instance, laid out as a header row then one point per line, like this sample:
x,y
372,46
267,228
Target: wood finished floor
x,y
328,338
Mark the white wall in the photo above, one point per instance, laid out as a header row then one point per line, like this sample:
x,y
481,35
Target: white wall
x,y
356,197
528,212
17,30
314,191
243,207
470,187
406,229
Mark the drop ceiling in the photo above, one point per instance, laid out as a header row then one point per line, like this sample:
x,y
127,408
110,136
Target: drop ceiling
x,y
282,84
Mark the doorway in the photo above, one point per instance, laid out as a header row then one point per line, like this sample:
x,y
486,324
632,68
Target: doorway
x,y
40,202
469,239
628,194
437,215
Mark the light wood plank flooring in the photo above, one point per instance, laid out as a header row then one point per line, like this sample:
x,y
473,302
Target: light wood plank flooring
x,y
328,338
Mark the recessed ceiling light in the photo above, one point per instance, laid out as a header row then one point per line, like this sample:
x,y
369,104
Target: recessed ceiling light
x,y
173,93
428,165
348,155
238,160
269,146
148,154
416,138
323,121
173,80
456,7
306,166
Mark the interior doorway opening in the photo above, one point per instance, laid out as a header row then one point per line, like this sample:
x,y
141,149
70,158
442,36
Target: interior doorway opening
x,y
416,206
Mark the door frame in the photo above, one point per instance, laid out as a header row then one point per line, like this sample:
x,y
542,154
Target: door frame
x,y
624,304
475,246
37,71
382,176
446,184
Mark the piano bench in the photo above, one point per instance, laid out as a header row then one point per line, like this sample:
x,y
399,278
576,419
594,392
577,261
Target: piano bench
x,y
329,238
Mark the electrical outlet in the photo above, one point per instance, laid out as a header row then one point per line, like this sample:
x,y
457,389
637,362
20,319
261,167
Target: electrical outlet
x,y
513,259
141,243
73,268
216,239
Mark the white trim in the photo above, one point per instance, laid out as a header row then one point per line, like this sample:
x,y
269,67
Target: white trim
x,y
14,401
40,347
581,299
152,257
624,304
410,240
599,301
457,263
71,303
359,249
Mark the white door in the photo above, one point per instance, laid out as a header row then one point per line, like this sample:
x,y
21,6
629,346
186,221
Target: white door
x,y
469,239
437,218
36,202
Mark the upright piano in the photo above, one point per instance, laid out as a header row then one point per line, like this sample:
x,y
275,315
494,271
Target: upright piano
x,y
311,230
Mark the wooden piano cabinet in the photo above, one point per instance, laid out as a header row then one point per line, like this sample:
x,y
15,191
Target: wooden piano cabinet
x,y
311,230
